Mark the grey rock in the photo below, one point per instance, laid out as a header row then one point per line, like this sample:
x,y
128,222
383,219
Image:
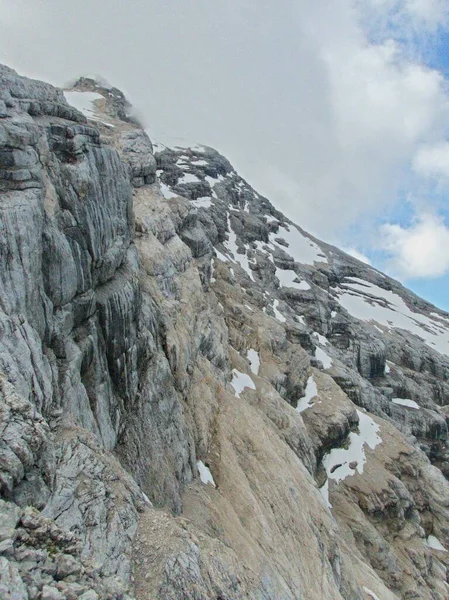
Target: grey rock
x,y
51,593
89,595
9,517
11,585
122,317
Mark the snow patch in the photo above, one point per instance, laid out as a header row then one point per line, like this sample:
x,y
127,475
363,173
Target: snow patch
x,y
287,279
309,394
188,178
301,248
370,593
203,202
434,543
147,500
240,381
369,302
321,338
84,102
254,361
405,402
231,247
279,316
324,491
213,180
337,461
324,358
166,192
205,474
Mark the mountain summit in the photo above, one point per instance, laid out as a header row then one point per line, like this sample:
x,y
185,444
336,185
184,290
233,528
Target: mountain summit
x,y
200,400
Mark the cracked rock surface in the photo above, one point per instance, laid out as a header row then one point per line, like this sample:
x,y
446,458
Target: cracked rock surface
x,y
198,399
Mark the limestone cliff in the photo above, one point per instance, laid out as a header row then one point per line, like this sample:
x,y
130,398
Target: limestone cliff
x,y
199,400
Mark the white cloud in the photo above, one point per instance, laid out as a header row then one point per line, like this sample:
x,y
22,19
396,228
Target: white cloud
x,y
406,14
432,161
421,250
357,254
322,119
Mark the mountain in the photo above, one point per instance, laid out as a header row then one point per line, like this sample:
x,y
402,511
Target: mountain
x,y
200,400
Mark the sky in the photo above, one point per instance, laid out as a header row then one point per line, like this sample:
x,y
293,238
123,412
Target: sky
x,y
337,110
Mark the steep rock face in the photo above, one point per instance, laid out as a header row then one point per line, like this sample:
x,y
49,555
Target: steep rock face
x,y
162,326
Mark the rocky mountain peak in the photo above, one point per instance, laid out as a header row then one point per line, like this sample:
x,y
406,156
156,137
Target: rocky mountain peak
x,y
199,399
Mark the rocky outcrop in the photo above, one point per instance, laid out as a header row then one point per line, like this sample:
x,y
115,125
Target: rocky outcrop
x,y
198,398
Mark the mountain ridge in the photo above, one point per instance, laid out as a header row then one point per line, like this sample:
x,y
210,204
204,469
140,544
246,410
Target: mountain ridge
x,y
199,399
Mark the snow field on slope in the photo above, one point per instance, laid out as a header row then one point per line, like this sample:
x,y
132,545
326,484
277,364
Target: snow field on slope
x,y
84,102
337,461
287,279
300,247
231,247
369,302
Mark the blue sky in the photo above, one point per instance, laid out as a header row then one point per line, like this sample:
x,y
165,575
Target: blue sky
x,y
430,47
338,110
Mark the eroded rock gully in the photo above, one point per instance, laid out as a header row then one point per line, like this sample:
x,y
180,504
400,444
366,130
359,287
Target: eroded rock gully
x,y
158,319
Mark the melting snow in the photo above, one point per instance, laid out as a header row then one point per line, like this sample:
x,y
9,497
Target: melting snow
x,y
203,202
310,392
84,102
434,543
200,163
369,302
324,358
337,461
240,381
254,361
205,474
188,178
333,314
387,368
279,316
405,402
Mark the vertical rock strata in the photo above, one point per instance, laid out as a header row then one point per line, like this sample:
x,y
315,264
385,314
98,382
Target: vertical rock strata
x,y
158,315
